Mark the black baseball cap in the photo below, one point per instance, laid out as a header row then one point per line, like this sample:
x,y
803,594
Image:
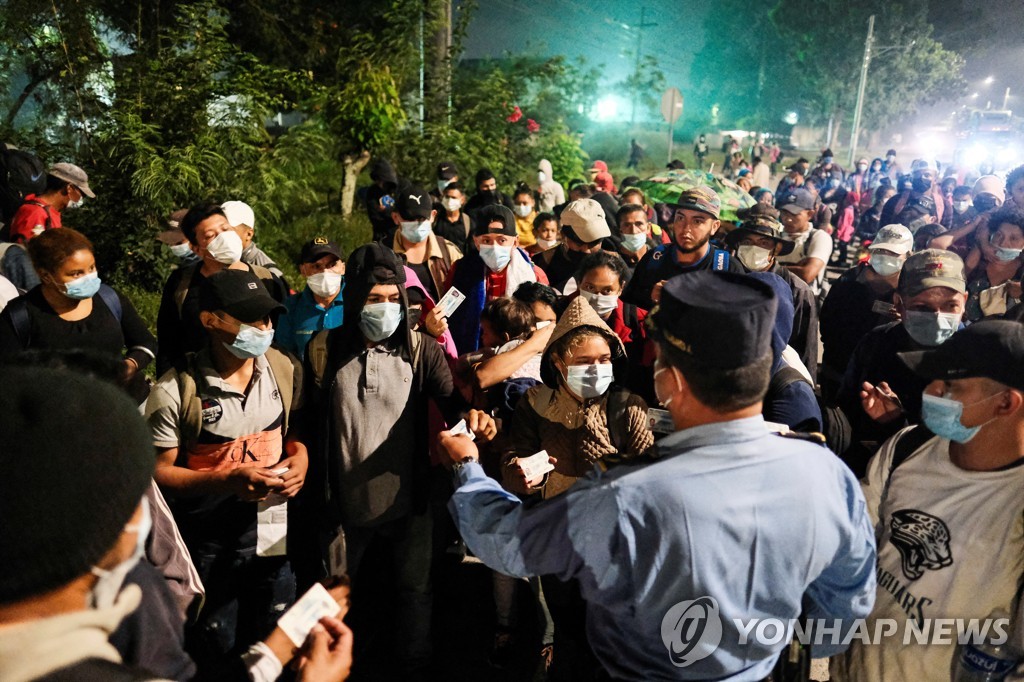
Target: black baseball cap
x,y
413,203
495,213
239,293
317,248
720,319
446,170
993,349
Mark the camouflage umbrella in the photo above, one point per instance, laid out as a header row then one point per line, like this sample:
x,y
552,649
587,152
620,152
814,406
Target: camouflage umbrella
x,y
666,188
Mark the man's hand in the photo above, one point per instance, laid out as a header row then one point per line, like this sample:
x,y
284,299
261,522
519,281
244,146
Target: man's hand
x,y
130,369
296,474
656,291
434,322
520,475
253,484
327,654
880,403
481,425
1013,289
539,338
457,447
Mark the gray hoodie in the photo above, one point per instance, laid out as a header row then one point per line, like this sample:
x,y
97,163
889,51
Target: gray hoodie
x,y
549,192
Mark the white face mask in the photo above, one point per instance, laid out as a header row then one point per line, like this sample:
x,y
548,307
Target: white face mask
x,y
755,258
181,250
658,369
523,210
541,177
75,204
547,243
885,265
496,257
226,247
603,304
415,231
589,381
325,284
110,580
452,204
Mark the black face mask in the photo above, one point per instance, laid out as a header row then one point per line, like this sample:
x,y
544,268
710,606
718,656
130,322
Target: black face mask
x,y
488,194
983,203
921,184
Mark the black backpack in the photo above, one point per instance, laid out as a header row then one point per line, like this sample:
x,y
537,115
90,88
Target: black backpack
x,y
21,173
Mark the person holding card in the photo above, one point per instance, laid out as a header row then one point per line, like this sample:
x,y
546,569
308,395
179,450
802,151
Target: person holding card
x,y
428,254
374,378
220,425
721,519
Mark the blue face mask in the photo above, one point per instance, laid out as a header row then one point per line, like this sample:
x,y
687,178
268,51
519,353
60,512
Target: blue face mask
x,y
250,342
1007,255
84,287
634,242
930,329
496,257
942,417
378,321
415,231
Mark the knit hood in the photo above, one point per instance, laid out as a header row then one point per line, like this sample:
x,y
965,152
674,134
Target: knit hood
x,y
580,313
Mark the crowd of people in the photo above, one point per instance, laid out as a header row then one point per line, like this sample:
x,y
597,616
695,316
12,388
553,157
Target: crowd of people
x,y
617,406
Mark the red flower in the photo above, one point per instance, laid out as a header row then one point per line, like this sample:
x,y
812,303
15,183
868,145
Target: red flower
x,y
532,125
515,115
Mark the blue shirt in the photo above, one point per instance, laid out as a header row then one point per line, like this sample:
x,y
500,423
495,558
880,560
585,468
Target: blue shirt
x,y
728,511
304,318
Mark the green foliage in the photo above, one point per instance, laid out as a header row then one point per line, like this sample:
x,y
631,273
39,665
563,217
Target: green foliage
x,y
644,87
367,110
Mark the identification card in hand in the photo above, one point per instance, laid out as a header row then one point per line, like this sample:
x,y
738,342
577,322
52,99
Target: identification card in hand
x,y
660,421
272,526
883,308
337,555
307,612
450,302
537,465
461,428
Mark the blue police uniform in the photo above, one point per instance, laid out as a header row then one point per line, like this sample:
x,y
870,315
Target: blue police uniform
x,y
304,318
740,522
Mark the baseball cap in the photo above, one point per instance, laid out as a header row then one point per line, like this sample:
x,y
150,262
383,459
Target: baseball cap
x,y
446,170
923,164
765,226
758,210
69,172
702,199
239,213
239,293
720,319
495,213
796,200
993,349
586,219
317,248
895,238
990,184
413,203
932,268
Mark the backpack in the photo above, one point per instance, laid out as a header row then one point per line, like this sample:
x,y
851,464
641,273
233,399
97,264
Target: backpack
x,y
835,426
287,373
22,323
21,173
907,444
4,247
317,352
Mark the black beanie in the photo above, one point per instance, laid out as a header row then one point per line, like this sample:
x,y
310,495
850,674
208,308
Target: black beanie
x,y
77,458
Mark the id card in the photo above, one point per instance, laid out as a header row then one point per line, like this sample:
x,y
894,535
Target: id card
x,y
450,302
660,421
537,465
462,429
307,612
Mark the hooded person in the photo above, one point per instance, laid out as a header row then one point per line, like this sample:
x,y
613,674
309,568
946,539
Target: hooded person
x,y
790,399
372,380
379,199
494,269
487,193
549,192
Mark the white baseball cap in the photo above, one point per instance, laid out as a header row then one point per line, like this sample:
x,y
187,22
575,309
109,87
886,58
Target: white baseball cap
x,y
895,238
238,213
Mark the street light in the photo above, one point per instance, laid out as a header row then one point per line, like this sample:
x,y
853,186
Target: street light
x,y
990,80
868,42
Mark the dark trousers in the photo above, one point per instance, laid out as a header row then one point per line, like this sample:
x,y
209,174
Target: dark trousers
x,y
402,548
573,659
245,595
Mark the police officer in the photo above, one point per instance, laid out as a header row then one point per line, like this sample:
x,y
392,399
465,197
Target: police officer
x,y
694,223
717,530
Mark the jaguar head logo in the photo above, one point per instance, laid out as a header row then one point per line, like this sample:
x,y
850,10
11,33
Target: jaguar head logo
x,y
922,540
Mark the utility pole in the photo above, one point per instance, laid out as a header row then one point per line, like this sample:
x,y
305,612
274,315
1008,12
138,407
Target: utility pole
x,y
1006,98
636,69
860,92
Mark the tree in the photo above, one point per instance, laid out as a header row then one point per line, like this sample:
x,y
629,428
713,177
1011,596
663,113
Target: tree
x,y
645,84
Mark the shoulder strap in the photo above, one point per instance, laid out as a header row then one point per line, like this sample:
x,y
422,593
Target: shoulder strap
x,y
909,443
631,318
416,350
316,353
4,246
46,209
112,301
786,376
617,421
283,366
721,260
18,310
181,291
465,222
446,257
190,409
261,271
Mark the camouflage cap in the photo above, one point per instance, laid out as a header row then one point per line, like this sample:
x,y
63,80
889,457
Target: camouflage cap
x,y
702,199
763,225
932,268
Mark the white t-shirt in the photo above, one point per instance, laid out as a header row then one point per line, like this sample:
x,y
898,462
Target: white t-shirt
x,y
813,243
950,545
